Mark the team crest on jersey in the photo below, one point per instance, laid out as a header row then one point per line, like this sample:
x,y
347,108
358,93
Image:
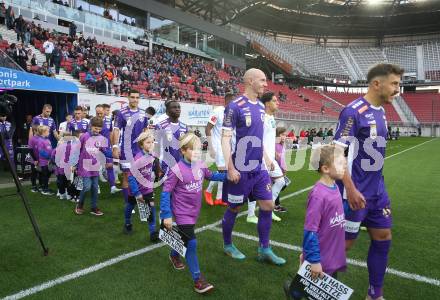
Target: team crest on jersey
x,y
214,119
200,174
248,121
386,212
262,117
373,131
269,187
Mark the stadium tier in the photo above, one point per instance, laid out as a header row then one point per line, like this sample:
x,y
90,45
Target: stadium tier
x,y
426,106
352,63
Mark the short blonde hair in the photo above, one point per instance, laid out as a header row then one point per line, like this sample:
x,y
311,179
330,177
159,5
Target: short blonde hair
x,y
323,156
147,134
188,140
41,129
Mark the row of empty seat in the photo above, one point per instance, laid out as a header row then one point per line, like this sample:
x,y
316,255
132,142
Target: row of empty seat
x,y
353,63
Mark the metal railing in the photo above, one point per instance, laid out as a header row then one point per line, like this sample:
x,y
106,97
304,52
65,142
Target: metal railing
x,y
7,62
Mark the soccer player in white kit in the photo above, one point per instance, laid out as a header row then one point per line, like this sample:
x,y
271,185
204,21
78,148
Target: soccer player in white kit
x,y
213,132
270,102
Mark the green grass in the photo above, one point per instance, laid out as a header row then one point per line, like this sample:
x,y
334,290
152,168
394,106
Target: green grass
x,y
77,242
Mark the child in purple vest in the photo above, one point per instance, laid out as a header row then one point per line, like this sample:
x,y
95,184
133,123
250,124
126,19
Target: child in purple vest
x,y
324,233
44,156
33,145
94,149
181,199
140,183
63,156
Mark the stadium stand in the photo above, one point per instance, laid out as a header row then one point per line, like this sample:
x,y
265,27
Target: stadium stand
x,y
426,106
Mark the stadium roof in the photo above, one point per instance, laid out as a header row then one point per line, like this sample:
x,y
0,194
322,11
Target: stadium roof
x,y
352,18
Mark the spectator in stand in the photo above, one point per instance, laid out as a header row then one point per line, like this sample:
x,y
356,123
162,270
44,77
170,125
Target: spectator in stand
x,y
330,132
2,13
10,17
56,57
100,86
72,30
90,80
20,56
27,35
45,70
19,25
48,49
116,83
320,133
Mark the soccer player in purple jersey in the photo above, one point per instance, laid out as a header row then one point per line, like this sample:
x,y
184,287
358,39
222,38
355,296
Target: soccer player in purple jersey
x,y
181,198
130,122
78,123
45,119
168,133
107,133
363,128
94,149
270,102
246,172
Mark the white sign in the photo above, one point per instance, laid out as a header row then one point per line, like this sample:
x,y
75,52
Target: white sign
x,y
173,239
325,288
192,114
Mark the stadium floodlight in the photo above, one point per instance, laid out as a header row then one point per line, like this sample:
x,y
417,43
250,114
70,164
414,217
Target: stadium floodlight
x,y
374,2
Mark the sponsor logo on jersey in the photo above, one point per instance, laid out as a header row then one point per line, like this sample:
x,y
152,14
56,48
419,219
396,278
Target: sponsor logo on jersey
x,y
362,109
337,220
370,116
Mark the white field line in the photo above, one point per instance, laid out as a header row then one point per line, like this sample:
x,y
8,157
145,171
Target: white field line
x,y
122,257
354,262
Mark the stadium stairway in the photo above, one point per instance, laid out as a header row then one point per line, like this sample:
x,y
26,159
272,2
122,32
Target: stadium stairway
x,y
11,37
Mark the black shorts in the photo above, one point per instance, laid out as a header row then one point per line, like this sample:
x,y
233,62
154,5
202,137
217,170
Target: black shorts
x,y
188,230
147,198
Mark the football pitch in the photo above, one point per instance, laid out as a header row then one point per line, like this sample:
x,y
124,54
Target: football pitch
x,y
90,257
